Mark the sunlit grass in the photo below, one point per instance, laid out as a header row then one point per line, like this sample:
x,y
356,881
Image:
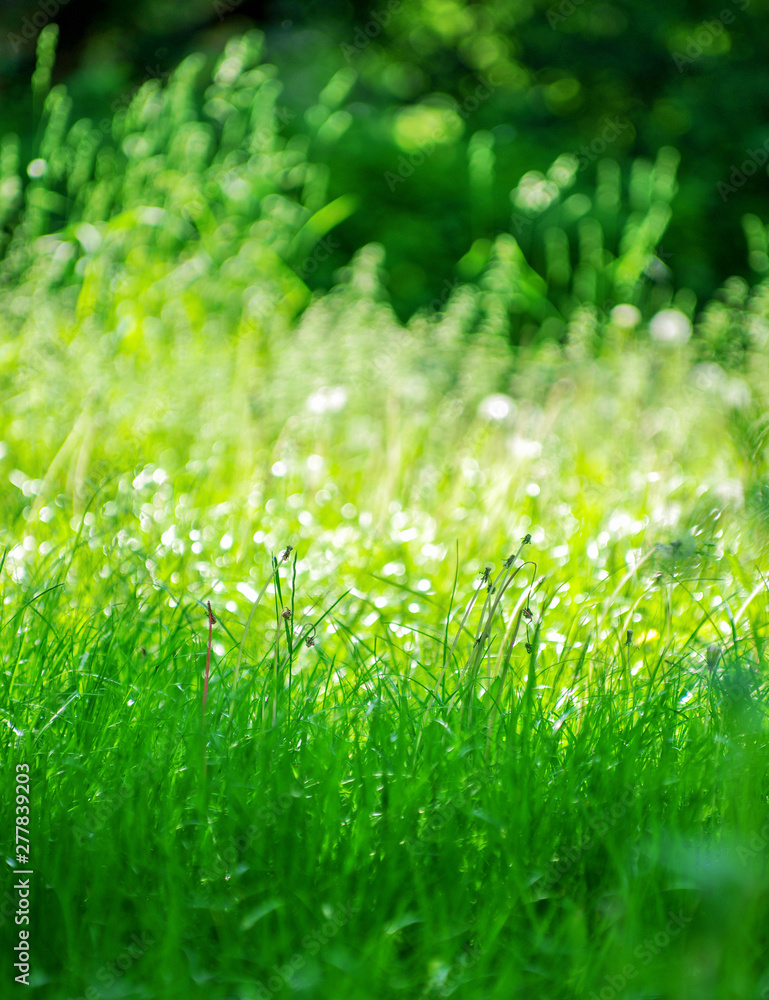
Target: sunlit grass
x,y
568,810
407,784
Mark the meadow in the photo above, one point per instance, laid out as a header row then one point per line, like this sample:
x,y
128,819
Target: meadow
x,y
480,709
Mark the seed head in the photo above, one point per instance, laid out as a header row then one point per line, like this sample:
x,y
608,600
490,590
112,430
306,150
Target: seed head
x,y
286,613
286,553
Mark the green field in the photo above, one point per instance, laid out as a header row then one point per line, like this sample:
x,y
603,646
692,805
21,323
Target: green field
x,y
486,715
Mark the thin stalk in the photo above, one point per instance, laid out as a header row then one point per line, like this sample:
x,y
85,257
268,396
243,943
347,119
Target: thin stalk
x,y
284,555
503,581
277,658
490,589
460,630
509,643
211,623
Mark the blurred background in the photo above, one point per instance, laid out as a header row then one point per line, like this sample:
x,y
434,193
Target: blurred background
x,y
463,100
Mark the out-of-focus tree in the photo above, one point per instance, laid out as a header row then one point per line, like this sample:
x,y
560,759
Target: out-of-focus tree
x,y
440,107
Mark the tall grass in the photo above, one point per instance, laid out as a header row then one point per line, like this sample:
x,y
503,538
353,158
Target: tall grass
x,y
497,728
380,833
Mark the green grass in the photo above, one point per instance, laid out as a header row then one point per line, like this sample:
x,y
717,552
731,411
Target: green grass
x,y
522,799
484,839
